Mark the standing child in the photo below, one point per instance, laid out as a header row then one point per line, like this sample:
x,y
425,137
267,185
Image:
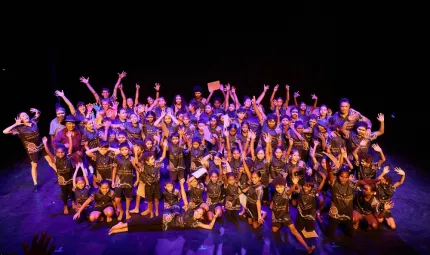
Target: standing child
x,y
122,179
254,213
151,177
103,203
64,169
280,209
176,157
103,162
306,207
232,201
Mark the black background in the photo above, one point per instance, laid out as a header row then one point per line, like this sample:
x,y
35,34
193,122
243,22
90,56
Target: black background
x,y
363,63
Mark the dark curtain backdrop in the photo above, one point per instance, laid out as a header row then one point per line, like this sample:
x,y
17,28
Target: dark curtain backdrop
x,y
312,59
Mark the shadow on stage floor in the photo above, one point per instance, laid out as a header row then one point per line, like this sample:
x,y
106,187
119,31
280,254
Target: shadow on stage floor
x,y
24,213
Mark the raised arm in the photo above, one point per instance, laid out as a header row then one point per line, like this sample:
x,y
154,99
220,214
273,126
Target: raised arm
x,y
183,193
314,97
67,101
378,149
257,111
48,152
272,97
124,98
121,76
86,81
136,98
296,95
9,129
260,98
399,171
287,96
381,125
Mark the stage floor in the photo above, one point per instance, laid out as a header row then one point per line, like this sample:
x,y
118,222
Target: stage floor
x,y
24,213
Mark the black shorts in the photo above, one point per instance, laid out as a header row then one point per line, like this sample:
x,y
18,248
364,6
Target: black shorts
x,y
152,191
281,224
34,157
102,208
213,206
302,223
126,191
176,175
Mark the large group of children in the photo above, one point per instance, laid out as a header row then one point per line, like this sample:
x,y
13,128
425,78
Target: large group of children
x,y
229,157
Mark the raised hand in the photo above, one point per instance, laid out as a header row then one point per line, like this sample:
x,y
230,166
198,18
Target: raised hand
x,y
287,87
399,171
296,94
84,80
44,140
316,142
380,117
233,90
157,86
309,171
389,205
182,181
137,86
122,75
267,138
386,170
34,110
376,147
59,93
227,87
18,121
276,87
295,180
266,87
120,86
314,97
39,246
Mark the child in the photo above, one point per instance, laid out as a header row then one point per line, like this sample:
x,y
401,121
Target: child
x,y
232,201
280,209
195,191
176,157
103,203
384,192
122,179
82,193
254,196
197,152
366,167
214,193
64,169
147,177
171,198
306,207
151,177
103,162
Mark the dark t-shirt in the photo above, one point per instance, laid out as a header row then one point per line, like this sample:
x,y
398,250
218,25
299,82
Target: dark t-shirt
x,y
29,136
342,195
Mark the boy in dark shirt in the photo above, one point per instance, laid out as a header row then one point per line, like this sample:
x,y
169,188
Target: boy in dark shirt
x,y
280,209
